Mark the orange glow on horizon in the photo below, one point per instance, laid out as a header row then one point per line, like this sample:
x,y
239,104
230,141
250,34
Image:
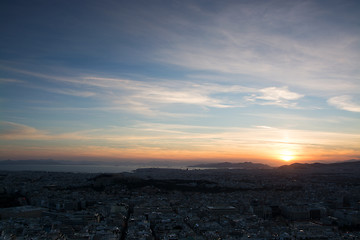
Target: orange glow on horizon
x,y
274,155
287,158
287,155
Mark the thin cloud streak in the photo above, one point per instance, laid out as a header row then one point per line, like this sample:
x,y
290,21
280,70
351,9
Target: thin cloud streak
x,y
344,103
173,135
145,97
275,96
256,46
10,80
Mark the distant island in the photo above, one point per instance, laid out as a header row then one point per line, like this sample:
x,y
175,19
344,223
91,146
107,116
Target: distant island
x,y
243,165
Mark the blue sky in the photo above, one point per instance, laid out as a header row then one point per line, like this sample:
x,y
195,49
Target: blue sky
x,y
238,80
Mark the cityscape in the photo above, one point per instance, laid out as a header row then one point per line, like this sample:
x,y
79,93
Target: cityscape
x,y
297,201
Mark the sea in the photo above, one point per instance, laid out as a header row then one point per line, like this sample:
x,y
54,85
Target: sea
x,y
83,168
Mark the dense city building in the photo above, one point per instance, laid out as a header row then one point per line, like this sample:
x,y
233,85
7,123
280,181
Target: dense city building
x,y
174,204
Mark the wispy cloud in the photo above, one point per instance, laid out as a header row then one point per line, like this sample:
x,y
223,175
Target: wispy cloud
x,y
147,97
278,94
274,96
59,90
255,41
344,102
167,92
171,132
10,130
65,91
157,139
10,80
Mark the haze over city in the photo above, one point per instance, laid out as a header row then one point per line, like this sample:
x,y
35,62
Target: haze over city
x,y
272,82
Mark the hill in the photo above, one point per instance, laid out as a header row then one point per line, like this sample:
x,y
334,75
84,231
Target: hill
x,y
243,165
340,167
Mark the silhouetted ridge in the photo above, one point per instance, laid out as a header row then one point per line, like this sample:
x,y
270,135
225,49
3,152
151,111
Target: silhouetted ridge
x,y
244,165
348,166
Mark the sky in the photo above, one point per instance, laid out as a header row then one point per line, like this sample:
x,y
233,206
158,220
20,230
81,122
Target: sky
x,y
261,81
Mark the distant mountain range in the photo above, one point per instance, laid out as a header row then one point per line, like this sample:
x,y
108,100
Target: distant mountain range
x,y
352,165
243,165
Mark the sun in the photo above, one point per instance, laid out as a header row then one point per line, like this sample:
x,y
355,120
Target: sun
x,y
287,158
286,155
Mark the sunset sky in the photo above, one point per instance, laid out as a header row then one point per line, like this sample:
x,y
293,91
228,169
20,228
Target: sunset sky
x,y
261,81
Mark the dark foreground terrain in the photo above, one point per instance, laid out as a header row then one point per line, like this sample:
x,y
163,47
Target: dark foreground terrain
x,y
293,202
